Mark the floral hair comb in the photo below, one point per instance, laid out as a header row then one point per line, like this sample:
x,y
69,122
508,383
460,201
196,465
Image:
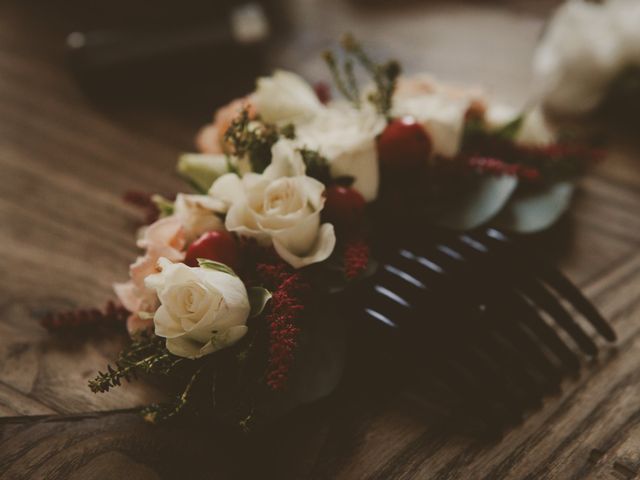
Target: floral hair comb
x,y
311,213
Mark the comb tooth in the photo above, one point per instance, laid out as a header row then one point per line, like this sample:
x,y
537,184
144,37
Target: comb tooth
x,y
569,291
500,345
522,364
404,276
513,369
492,380
437,360
529,316
563,286
539,294
503,368
549,376
523,309
423,264
504,317
439,349
452,335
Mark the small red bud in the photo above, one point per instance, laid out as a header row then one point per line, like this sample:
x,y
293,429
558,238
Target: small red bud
x,y
219,246
344,207
404,145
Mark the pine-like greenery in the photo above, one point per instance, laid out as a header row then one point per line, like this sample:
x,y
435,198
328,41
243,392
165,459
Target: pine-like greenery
x,y
253,139
146,354
384,75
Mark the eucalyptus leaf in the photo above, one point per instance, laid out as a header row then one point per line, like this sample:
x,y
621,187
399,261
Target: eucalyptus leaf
x,y
480,202
532,211
202,169
213,265
164,205
511,129
258,298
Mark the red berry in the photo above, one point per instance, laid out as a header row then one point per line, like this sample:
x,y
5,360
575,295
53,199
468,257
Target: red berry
x,y
219,246
404,145
344,206
323,92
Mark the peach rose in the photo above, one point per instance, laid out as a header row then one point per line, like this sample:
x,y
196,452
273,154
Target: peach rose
x,y
163,238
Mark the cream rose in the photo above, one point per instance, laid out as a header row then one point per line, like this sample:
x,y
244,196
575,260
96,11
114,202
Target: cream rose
x,y
201,310
585,46
346,137
441,109
285,98
198,214
280,207
163,238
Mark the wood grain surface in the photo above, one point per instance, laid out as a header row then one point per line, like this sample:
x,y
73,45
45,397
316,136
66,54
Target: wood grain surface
x,y
66,237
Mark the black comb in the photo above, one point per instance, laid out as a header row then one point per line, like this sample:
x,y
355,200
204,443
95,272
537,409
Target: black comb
x,y
481,317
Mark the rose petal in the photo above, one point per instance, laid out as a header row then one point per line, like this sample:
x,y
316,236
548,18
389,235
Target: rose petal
x,y
286,160
165,326
228,188
323,248
285,98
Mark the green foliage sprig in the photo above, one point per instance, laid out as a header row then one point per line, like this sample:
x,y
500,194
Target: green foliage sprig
x,y
254,138
317,165
161,412
384,75
146,354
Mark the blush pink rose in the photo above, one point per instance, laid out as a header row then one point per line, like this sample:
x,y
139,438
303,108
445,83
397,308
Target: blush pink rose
x,y
423,84
164,238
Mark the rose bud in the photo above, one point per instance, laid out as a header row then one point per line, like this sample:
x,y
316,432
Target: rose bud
x,y
219,246
344,207
404,145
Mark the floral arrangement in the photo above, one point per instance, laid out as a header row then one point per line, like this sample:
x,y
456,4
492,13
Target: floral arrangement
x,y
590,52
228,301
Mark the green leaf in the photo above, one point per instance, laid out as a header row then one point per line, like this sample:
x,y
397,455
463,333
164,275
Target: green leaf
x,y
533,210
258,298
213,265
481,201
164,205
201,169
511,129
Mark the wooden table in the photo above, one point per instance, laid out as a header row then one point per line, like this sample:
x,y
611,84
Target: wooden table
x,y
66,236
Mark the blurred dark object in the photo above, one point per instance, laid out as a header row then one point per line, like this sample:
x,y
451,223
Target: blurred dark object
x,y
621,105
170,52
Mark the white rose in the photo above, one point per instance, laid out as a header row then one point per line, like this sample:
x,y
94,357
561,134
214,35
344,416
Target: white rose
x,y
285,98
346,137
281,207
440,108
198,214
201,310
579,55
626,18
441,115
